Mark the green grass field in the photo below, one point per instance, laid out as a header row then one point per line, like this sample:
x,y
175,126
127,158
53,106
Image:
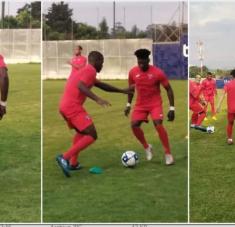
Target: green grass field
x,y
151,192
20,153
212,188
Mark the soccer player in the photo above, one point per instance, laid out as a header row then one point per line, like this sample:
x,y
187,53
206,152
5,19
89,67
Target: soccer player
x,y
197,106
229,89
209,91
146,79
78,61
4,85
77,89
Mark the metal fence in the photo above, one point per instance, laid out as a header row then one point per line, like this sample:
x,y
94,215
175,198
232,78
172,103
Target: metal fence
x,y
20,45
118,56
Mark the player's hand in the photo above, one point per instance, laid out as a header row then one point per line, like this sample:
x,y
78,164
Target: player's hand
x,y
69,62
2,111
127,110
103,102
171,115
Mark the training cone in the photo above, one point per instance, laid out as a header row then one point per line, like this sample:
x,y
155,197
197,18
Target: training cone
x,y
96,170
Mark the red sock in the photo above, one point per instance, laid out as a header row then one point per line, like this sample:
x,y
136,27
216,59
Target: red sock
x,y
194,118
213,108
201,117
139,134
74,160
81,144
164,138
230,130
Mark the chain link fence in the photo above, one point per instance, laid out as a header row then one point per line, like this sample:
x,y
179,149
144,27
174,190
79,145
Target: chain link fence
x,y
20,45
118,56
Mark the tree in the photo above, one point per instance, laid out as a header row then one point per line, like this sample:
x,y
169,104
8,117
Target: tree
x,y
103,29
59,18
9,22
29,16
84,31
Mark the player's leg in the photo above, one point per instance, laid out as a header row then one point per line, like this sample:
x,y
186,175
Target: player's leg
x,y
83,124
157,117
162,133
213,112
138,132
231,118
138,116
206,108
194,118
73,162
201,117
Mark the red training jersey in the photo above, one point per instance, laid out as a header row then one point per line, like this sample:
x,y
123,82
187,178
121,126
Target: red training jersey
x,y
230,90
72,98
147,85
194,92
2,63
79,61
208,87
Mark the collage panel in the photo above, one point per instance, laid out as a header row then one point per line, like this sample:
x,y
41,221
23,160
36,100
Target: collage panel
x,y
212,110
125,170
20,114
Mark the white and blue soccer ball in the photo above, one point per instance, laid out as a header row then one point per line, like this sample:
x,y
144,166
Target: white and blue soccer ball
x,y
129,159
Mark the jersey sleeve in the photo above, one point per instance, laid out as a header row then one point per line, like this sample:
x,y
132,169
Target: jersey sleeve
x,y
163,78
131,78
88,78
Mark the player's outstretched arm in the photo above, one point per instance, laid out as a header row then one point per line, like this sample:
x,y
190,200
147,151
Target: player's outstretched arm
x,y
218,108
84,89
129,100
110,88
170,95
4,85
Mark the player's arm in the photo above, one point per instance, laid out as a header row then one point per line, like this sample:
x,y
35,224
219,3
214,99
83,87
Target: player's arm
x,y
130,96
76,66
85,90
170,95
4,85
110,88
221,101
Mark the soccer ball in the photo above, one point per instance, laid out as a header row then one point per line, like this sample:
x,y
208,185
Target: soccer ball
x,y
129,159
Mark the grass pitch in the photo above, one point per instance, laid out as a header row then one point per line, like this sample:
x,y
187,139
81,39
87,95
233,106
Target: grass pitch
x,y
151,192
212,188
20,153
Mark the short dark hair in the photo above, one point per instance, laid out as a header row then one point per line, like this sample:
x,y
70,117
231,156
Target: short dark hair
x,y
94,56
232,73
80,47
209,73
142,53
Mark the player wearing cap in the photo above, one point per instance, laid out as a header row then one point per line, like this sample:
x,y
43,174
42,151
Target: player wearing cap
x,y
4,85
229,89
146,79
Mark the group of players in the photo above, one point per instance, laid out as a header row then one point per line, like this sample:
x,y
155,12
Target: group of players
x,y
202,94
144,78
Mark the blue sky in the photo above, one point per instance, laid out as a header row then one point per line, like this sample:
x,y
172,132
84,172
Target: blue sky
x,y
213,23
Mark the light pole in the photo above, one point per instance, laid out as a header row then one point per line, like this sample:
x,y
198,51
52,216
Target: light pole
x,y
200,54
